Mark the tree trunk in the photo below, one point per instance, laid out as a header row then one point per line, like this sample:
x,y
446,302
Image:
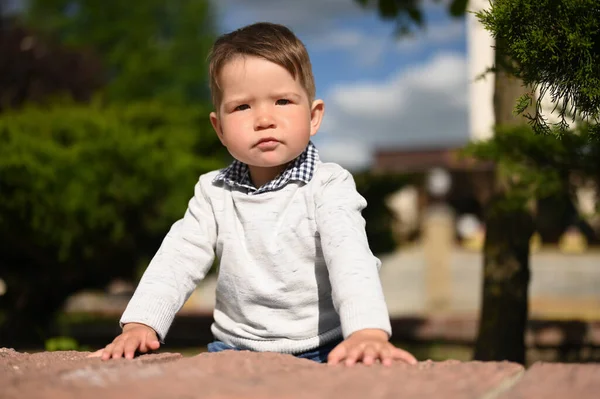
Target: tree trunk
x,y
506,273
504,308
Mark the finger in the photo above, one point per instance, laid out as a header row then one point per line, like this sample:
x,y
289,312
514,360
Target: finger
x,y
354,355
403,355
98,353
370,354
154,345
386,356
143,347
131,345
336,355
152,341
107,352
149,343
117,351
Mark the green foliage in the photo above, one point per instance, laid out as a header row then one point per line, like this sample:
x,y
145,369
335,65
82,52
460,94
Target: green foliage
x,y
62,344
89,192
458,8
152,49
534,166
556,47
68,174
379,219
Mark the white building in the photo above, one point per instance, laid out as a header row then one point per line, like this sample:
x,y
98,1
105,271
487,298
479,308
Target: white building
x,y
480,53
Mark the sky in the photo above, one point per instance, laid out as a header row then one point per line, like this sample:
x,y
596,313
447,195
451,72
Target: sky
x,y
380,91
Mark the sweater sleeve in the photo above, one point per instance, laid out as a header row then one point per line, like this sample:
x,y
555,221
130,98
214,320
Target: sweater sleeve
x,y
353,270
182,261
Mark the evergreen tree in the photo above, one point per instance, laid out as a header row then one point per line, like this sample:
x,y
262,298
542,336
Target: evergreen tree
x,y
555,46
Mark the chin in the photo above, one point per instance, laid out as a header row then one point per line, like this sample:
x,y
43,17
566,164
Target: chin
x,y
268,164
272,162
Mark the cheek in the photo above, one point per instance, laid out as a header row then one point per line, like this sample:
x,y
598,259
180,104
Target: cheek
x,y
235,123
299,119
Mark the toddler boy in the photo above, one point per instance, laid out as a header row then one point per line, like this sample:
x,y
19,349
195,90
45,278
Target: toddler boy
x,y
296,274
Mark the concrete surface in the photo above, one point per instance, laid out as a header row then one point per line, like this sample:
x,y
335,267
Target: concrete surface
x,y
561,285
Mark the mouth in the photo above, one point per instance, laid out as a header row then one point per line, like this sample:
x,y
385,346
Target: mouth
x,y
267,140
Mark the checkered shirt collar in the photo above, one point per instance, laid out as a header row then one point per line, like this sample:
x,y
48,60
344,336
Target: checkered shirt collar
x,y
301,169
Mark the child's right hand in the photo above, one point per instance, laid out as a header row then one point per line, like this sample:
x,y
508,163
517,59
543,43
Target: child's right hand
x,y
135,337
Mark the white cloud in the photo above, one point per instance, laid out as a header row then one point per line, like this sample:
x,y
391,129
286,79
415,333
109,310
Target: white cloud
x,y
422,105
367,49
347,39
432,35
367,99
445,33
339,39
350,153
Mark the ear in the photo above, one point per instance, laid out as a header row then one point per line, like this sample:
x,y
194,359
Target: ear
x,y
317,111
216,124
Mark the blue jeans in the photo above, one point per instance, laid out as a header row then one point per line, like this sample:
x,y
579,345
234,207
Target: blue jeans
x,y
318,355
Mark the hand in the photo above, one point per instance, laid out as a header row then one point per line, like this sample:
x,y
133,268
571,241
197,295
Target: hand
x,y
368,346
135,337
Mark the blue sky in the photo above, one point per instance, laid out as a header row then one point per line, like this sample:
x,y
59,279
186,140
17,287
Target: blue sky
x,y
379,91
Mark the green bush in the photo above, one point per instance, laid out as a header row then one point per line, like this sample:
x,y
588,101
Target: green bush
x,y
537,166
88,192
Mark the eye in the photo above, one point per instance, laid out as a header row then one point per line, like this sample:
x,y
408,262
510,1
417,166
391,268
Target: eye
x,y
283,101
241,107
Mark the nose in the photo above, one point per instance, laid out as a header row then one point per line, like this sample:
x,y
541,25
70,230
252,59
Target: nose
x,y
264,121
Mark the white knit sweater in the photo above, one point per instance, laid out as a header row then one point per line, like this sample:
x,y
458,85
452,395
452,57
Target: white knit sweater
x,y
295,269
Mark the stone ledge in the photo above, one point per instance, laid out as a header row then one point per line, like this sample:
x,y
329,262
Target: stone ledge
x,y
557,380
50,375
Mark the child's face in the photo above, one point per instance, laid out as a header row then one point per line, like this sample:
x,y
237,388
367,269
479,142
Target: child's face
x,y
265,118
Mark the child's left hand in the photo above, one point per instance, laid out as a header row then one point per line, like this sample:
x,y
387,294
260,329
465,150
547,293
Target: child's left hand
x,y
368,346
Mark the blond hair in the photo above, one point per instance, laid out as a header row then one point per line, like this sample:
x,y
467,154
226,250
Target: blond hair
x,y
273,42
